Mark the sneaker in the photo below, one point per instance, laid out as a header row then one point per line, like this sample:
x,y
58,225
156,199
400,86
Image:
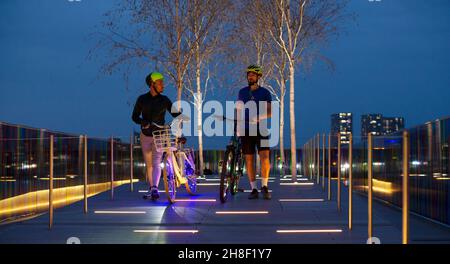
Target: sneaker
x,y
154,194
253,194
266,193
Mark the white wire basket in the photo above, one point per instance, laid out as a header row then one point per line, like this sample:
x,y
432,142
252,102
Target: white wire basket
x,y
164,140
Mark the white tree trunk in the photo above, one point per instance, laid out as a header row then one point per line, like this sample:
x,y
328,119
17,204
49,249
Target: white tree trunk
x,y
199,104
282,132
292,122
179,93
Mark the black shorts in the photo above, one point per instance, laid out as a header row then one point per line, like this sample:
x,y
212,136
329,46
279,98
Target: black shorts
x,y
250,143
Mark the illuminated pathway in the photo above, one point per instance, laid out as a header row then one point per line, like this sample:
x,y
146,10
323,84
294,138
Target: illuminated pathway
x,y
296,214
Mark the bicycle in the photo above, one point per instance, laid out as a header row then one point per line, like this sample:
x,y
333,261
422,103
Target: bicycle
x,y
232,167
178,162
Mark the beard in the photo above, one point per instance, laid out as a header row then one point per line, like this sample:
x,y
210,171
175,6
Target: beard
x,y
250,83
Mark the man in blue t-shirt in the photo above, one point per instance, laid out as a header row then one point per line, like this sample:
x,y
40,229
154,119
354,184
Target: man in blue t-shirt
x,y
253,139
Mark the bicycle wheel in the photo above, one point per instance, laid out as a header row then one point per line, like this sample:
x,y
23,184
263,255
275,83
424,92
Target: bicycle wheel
x,y
169,179
238,172
189,172
226,175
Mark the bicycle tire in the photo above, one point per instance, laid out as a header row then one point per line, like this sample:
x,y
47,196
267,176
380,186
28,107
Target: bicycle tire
x,y
191,183
226,175
169,180
238,172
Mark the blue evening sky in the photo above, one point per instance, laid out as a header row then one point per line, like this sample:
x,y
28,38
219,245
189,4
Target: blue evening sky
x,y
393,60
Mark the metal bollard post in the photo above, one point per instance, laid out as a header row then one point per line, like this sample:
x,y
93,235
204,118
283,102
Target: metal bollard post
x,y
50,188
350,184
369,183
310,160
329,167
307,160
318,159
131,163
313,158
405,191
339,173
85,192
304,160
112,168
323,161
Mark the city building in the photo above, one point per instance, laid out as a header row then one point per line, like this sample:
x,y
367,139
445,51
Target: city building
x,y
379,125
372,123
393,124
342,123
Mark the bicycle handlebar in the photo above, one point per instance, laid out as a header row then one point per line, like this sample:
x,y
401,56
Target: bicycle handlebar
x,y
222,117
168,125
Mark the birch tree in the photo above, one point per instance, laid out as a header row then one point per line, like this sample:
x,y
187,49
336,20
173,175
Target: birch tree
x,y
256,47
295,26
206,34
144,33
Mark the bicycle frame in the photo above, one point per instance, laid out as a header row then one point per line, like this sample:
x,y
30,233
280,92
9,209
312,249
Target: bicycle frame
x,y
175,159
181,157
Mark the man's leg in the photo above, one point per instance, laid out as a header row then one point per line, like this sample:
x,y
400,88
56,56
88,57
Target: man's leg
x,y
157,156
250,165
264,155
265,166
248,149
146,146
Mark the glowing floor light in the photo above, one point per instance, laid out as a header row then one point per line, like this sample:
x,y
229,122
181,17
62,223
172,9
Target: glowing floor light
x,y
166,231
301,200
309,231
208,184
241,212
290,176
297,183
298,179
249,191
120,212
195,200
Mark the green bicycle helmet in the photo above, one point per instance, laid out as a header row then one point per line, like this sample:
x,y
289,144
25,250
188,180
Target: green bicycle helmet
x,y
153,77
254,68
